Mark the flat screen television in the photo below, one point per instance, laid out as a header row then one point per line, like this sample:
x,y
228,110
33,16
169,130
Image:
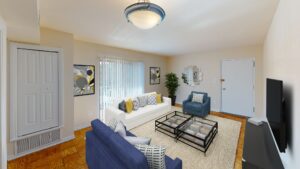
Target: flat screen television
x,y
275,112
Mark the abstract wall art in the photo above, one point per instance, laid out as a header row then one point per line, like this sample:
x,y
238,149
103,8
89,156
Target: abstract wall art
x,y
154,75
84,80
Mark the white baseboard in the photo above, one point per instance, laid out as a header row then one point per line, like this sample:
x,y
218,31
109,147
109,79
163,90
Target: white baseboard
x,y
12,157
216,110
79,127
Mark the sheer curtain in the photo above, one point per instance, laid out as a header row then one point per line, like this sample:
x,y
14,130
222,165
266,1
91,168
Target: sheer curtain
x,y
119,78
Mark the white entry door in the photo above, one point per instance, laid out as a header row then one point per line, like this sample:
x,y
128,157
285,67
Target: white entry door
x,y
238,86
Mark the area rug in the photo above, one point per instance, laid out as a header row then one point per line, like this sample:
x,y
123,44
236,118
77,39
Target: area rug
x,y
220,155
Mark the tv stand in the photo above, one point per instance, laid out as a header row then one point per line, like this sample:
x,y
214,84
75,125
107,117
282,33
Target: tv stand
x,y
260,151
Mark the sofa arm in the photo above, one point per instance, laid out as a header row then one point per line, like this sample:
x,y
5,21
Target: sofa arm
x,y
177,163
112,113
167,100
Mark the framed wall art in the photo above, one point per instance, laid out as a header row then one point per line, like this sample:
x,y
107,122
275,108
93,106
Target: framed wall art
x,y
154,75
84,80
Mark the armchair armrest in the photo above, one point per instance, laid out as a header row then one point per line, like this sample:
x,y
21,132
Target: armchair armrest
x,y
206,105
207,102
177,163
189,99
185,101
112,113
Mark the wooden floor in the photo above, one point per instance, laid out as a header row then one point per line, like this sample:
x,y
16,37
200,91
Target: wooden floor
x,y
71,154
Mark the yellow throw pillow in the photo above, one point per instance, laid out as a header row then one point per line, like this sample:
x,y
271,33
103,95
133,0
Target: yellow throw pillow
x,y
158,98
129,106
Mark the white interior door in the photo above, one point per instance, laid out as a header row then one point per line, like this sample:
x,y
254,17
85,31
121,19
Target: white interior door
x,y
238,86
37,91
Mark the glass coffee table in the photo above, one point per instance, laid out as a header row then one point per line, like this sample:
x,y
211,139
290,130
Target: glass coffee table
x,y
170,123
194,131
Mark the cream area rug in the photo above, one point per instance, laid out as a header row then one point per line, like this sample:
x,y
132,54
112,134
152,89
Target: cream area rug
x,y
220,154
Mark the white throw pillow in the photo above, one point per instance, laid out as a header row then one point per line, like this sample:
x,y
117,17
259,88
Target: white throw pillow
x,y
136,104
155,155
142,101
152,99
137,140
120,129
112,124
197,97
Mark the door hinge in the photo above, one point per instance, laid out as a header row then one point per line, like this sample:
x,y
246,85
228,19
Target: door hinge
x,y
253,109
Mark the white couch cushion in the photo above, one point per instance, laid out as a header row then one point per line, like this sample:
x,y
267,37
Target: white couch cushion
x,y
145,111
140,116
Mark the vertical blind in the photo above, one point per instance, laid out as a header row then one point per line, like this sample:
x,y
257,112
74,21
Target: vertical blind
x,y
119,78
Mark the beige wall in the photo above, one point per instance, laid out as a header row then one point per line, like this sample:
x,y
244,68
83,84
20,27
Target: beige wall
x,y
63,40
85,107
281,61
51,38
210,65
79,111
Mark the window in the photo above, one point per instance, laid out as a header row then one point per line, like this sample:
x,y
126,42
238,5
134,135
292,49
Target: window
x,y
119,79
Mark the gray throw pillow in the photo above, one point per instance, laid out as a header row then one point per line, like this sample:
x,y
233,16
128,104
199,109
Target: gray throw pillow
x,y
155,155
143,101
120,129
137,140
152,99
197,98
136,104
122,106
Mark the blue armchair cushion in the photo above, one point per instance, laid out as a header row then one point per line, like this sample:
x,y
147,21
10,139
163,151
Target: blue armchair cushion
x,y
193,105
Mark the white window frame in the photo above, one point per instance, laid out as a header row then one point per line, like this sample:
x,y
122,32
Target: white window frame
x,y
3,94
100,110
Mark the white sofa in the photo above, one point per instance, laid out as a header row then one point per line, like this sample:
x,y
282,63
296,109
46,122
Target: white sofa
x,y
138,117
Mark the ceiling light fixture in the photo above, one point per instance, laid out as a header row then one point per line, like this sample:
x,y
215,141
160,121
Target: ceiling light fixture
x,y
144,14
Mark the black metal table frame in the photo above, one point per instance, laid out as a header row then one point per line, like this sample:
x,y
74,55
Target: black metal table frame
x,y
168,116
206,141
177,133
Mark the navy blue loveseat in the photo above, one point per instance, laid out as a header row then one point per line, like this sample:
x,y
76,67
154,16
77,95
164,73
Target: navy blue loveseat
x,y
106,149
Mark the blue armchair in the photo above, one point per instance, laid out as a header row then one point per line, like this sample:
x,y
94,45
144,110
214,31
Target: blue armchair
x,y
197,109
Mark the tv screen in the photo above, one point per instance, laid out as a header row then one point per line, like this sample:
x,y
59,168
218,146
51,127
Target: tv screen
x,y
275,113
274,101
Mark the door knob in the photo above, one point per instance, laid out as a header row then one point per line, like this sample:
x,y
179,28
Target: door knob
x,y
223,88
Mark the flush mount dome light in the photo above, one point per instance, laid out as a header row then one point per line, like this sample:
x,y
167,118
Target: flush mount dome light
x,y
144,15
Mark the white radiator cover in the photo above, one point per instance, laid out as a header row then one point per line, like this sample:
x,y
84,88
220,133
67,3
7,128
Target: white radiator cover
x,y
35,142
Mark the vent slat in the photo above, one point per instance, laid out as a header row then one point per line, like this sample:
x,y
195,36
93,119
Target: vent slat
x,y
37,141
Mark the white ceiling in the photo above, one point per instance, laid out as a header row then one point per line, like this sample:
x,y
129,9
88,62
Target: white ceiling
x,y
190,26
21,17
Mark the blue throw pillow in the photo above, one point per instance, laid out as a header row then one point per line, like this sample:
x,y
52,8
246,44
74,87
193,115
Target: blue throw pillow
x,y
122,106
